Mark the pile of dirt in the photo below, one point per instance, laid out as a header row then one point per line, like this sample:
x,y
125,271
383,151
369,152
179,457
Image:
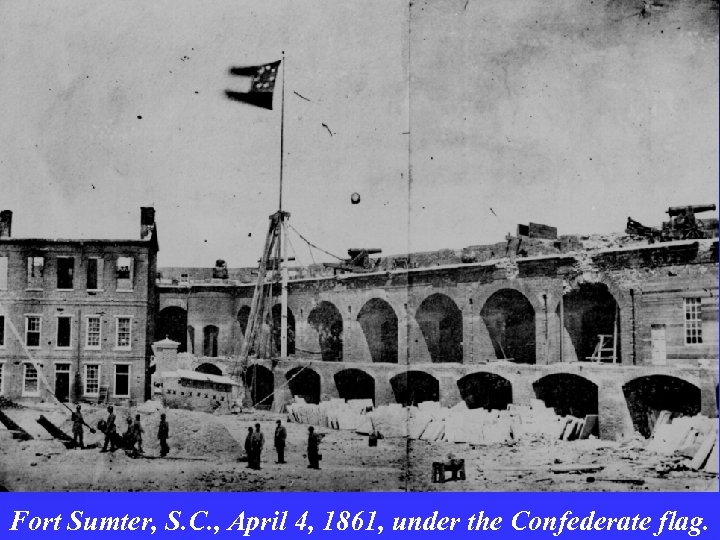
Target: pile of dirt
x,y
191,433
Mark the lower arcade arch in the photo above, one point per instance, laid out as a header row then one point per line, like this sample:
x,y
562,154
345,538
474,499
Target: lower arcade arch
x,y
647,396
568,394
260,382
413,387
484,390
354,383
304,383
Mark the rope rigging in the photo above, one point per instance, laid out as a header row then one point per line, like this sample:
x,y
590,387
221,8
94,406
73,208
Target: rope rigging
x,y
309,243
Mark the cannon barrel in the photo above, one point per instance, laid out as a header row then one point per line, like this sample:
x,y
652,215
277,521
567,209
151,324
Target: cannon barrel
x,y
681,210
356,251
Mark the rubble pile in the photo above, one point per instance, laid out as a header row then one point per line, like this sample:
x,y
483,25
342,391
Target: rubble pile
x,y
387,421
430,421
335,413
691,437
6,403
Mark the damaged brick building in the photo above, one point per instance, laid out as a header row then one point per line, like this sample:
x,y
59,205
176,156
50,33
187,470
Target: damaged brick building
x,y
617,326
613,326
77,315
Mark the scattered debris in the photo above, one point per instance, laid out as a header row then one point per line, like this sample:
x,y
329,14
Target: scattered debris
x,y
631,481
431,422
576,469
6,403
689,442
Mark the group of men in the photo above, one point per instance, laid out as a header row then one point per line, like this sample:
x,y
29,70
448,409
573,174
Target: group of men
x,y
255,441
131,441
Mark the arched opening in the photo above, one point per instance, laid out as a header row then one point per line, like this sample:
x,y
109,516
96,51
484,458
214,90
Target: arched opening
x,y
485,391
275,321
210,341
589,312
260,382
568,394
304,383
327,322
647,396
354,384
243,315
413,387
172,322
510,320
379,323
209,369
440,321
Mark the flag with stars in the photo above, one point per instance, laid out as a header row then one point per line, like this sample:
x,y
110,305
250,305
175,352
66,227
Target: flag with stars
x,y
254,84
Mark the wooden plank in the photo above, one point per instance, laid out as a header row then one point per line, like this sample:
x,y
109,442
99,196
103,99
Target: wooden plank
x,y
18,432
711,465
703,453
691,444
576,469
661,419
53,430
565,428
573,429
588,426
633,481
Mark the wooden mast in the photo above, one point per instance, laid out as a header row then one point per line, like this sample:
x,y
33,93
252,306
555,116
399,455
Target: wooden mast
x,y
277,232
283,232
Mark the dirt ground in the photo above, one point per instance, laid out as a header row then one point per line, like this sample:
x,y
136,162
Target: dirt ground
x,y
205,450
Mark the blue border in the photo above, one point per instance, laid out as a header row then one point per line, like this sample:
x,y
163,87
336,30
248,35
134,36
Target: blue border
x,y
224,508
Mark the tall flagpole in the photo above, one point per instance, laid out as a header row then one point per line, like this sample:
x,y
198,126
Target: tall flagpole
x,y
282,130
283,231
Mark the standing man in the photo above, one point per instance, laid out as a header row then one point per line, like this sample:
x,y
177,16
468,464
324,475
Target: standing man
x,y
128,438
313,449
77,429
280,437
109,431
248,448
137,432
258,441
163,434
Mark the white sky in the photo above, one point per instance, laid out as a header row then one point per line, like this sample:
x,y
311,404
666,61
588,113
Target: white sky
x,y
575,113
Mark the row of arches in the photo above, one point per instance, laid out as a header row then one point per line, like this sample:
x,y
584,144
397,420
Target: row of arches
x,y
305,383
508,316
566,393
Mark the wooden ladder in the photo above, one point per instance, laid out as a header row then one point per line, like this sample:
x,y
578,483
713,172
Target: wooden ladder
x,y
605,350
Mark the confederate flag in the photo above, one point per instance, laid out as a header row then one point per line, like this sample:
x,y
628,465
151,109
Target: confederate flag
x,y
255,84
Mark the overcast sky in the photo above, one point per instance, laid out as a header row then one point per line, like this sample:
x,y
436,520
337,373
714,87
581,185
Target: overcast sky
x,y
575,113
